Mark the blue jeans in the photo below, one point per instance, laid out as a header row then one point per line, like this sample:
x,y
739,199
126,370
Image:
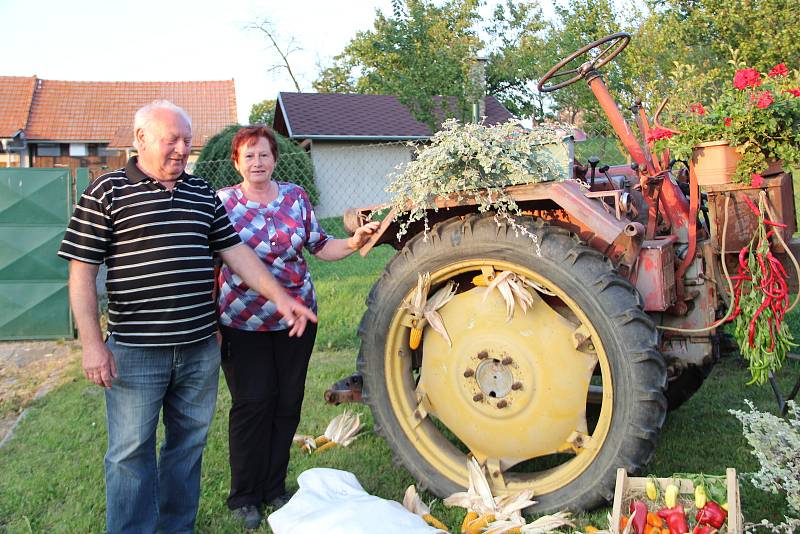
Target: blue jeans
x,y
144,495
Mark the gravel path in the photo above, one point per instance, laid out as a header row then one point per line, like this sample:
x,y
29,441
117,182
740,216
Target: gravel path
x,y
28,370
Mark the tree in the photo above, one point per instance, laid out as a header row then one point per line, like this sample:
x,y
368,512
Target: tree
x,y
517,40
264,25
576,25
263,112
765,32
419,52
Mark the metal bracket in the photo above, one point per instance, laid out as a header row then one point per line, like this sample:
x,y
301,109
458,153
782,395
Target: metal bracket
x,y
423,407
779,398
495,472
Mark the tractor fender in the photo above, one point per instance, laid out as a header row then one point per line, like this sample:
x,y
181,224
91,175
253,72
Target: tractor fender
x,y
563,203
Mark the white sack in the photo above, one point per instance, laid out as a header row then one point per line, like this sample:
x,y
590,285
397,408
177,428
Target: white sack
x,y
332,501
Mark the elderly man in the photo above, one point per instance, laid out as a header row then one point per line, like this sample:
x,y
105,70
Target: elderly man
x,y
156,228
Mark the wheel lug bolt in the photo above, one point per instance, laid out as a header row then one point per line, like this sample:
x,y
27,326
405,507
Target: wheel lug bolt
x,y
516,386
502,404
507,360
477,397
482,355
468,373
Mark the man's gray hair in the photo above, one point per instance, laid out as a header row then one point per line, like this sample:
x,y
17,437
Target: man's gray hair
x,y
145,114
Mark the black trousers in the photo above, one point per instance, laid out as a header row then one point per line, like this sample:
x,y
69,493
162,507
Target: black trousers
x,y
266,375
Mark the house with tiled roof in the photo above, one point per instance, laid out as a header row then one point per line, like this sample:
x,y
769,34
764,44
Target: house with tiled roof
x,y
16,95
49,123
356,141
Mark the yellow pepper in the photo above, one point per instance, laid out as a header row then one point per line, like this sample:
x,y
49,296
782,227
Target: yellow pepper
x,y
700,497
651,489
671,495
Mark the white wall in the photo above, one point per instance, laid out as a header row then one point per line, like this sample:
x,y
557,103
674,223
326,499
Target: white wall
x,y
354,175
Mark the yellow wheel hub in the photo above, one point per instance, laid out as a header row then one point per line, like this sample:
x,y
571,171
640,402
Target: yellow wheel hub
x,y
510,390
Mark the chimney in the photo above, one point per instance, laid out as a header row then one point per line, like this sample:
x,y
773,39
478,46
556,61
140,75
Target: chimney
x,y
477,90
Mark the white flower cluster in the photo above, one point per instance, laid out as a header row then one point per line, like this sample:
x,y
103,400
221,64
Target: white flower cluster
x,y
474,162
776,446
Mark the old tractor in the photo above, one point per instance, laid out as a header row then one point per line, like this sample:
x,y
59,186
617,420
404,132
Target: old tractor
x,y
628,279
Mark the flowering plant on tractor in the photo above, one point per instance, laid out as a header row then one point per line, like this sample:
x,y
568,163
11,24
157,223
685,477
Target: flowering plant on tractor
x,y
475,161
757,113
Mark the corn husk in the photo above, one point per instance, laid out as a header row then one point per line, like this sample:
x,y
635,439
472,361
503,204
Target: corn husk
x,y
478,497
417,303
542,525
414,504
424,309
342,430
301,439
511,505
512,288
310,444
439,299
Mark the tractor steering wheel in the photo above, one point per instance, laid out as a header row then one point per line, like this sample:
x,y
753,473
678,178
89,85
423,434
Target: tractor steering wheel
x,y
618,43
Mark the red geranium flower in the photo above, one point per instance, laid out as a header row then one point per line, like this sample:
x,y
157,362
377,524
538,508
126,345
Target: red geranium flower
x,y
756,180
727,121
659,133
698,108
764,99
778,70
746,78
794,92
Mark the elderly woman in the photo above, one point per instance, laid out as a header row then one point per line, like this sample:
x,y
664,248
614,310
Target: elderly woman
x,y
264,364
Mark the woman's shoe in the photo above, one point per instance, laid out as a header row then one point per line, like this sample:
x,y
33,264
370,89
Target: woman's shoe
x,y
280,500
249,515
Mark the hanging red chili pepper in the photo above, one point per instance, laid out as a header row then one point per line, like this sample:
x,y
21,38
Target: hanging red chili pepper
x,y
760,300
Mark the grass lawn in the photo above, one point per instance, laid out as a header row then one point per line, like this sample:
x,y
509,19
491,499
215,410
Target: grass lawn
x,y
52,470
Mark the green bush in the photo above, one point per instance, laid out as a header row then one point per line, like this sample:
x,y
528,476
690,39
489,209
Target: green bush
x,y
294,164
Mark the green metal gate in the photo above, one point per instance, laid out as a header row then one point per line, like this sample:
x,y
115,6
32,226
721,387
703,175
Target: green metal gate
x,y
35,207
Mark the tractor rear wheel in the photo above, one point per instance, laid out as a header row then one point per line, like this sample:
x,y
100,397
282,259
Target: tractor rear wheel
x,y
514,393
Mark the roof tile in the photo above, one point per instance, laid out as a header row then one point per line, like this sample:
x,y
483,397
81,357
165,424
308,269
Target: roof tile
x,y
331,115
16,94
103,111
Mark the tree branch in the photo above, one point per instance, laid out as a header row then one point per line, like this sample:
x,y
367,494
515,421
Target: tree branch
x,y
265,27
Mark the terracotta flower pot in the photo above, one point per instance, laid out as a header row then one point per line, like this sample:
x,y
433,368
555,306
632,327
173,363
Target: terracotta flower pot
x,y
714,162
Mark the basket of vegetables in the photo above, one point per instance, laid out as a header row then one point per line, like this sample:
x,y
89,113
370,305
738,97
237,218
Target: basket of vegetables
x,y
694,503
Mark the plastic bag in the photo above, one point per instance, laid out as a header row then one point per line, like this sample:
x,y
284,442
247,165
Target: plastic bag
x,y
332,501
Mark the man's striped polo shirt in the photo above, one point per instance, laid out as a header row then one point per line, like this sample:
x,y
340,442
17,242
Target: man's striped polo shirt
x,y
157,246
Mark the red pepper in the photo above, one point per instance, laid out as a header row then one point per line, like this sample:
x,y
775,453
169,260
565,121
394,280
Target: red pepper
x,y
675,518
742,260
773,223
640,519
752,206
703,529
711,514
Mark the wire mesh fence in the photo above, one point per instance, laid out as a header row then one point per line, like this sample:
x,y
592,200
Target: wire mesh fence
x,y
345,174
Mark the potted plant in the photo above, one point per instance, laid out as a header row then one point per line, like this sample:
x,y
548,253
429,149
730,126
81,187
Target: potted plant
x,y
755,121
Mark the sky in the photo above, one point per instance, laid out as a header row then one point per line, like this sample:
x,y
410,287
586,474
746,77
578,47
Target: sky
x,y
178,40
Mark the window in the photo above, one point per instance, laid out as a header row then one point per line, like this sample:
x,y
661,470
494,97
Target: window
x,y
48,149
104,151
78,150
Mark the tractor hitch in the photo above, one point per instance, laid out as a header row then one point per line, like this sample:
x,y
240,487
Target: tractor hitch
x,y
347,389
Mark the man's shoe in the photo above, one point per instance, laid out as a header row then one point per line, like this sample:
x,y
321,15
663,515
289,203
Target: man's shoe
x,y
249,515
280,500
